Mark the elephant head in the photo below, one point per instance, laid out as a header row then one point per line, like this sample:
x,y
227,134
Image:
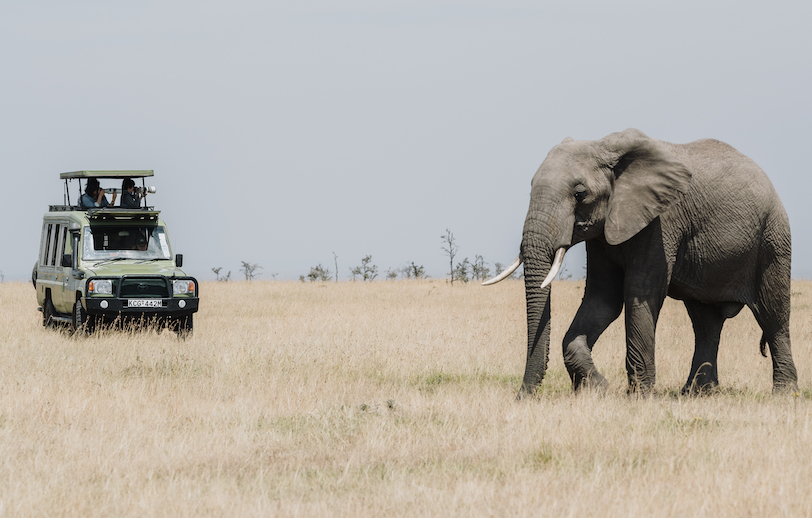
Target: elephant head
x,y
608,189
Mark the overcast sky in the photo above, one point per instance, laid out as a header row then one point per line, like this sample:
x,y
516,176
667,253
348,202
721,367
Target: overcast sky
x,y
283,132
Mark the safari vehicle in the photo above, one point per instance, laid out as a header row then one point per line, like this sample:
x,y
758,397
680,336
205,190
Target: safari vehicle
x,y
110,264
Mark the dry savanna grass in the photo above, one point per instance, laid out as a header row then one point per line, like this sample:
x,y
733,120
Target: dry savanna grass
x,y
387,399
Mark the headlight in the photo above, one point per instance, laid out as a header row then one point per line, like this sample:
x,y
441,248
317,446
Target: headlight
x,y
183,287
102,287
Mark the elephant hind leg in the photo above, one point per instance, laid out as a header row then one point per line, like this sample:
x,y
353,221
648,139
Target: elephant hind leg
x,y
776,336
772,310
707,320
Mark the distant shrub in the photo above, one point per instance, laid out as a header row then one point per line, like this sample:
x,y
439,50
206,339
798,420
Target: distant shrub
x,y
250,270
225,278
479,270
366,271
317,273
414,271
462,271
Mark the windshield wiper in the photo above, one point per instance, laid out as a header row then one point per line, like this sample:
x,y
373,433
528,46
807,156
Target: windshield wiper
x,y
111,260
153,259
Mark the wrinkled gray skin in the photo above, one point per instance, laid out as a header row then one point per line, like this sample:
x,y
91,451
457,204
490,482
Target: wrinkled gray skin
x,y
699,222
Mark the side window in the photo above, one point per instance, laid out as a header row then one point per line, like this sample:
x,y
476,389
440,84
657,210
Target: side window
x,y
67,239
63,244
46,248
55,246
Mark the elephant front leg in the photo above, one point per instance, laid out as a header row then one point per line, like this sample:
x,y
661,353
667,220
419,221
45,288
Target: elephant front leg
x,y
641,322
602,304
597,311
580,366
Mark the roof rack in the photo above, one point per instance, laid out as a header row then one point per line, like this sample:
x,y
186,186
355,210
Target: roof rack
x,y
106,174
119,213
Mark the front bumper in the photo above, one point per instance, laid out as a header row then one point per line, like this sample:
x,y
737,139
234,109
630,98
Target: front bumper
x,y
115,307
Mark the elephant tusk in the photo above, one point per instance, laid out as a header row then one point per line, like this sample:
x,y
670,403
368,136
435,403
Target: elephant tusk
x,y
557,262
505,274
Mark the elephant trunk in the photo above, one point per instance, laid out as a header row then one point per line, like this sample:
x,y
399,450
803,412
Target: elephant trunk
x,y
537,267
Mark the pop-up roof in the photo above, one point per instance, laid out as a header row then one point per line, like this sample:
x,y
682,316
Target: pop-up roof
x,y
105,174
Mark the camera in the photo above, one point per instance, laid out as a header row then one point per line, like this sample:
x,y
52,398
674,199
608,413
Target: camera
x,y
150,190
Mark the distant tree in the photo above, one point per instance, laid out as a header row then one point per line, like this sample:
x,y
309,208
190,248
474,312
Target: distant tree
x,y
335,258
366,271
224,278
479,270
2,277
250,270
450,248
317,273
462,270
391,274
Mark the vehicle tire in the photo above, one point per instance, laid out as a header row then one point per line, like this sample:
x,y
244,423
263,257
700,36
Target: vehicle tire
x,y
48,312
184,326
81,321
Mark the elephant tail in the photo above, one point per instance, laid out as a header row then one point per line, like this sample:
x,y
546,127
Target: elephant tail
x,y
763,346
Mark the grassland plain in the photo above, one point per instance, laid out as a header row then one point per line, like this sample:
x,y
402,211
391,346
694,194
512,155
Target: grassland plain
x,y
387,399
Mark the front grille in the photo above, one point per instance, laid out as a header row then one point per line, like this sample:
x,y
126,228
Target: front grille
x,y
144,288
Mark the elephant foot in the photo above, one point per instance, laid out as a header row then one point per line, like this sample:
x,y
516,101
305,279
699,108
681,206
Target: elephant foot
x,y
789,387
695,388
640,388
704,380
593,381
526,392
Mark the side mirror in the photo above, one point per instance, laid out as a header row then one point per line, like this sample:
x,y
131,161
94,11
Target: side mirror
x,y
67,261
179,260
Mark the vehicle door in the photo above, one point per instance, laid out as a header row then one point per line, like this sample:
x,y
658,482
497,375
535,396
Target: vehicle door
x,y
65,270
61,272
73,276
46,273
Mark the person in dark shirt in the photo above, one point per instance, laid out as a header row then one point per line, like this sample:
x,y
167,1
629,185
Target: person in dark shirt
x,y
94,196
130,194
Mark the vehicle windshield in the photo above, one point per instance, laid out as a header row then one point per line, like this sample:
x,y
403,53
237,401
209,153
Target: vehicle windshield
x,y
139,242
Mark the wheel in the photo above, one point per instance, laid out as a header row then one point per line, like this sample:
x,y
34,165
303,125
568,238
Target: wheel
x,y
184,326
48,313
81,321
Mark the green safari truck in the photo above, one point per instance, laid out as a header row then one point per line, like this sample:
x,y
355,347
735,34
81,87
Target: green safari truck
x,y
111,264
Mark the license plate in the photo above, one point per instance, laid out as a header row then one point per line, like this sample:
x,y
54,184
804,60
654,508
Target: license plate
x,y
144,303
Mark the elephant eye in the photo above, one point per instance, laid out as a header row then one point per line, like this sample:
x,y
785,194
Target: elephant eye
x,y
580,193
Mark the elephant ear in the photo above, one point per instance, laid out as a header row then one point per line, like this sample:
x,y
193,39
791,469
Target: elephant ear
x,y
648,179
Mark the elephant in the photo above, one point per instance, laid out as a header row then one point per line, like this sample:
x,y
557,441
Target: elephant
x,y
698,222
